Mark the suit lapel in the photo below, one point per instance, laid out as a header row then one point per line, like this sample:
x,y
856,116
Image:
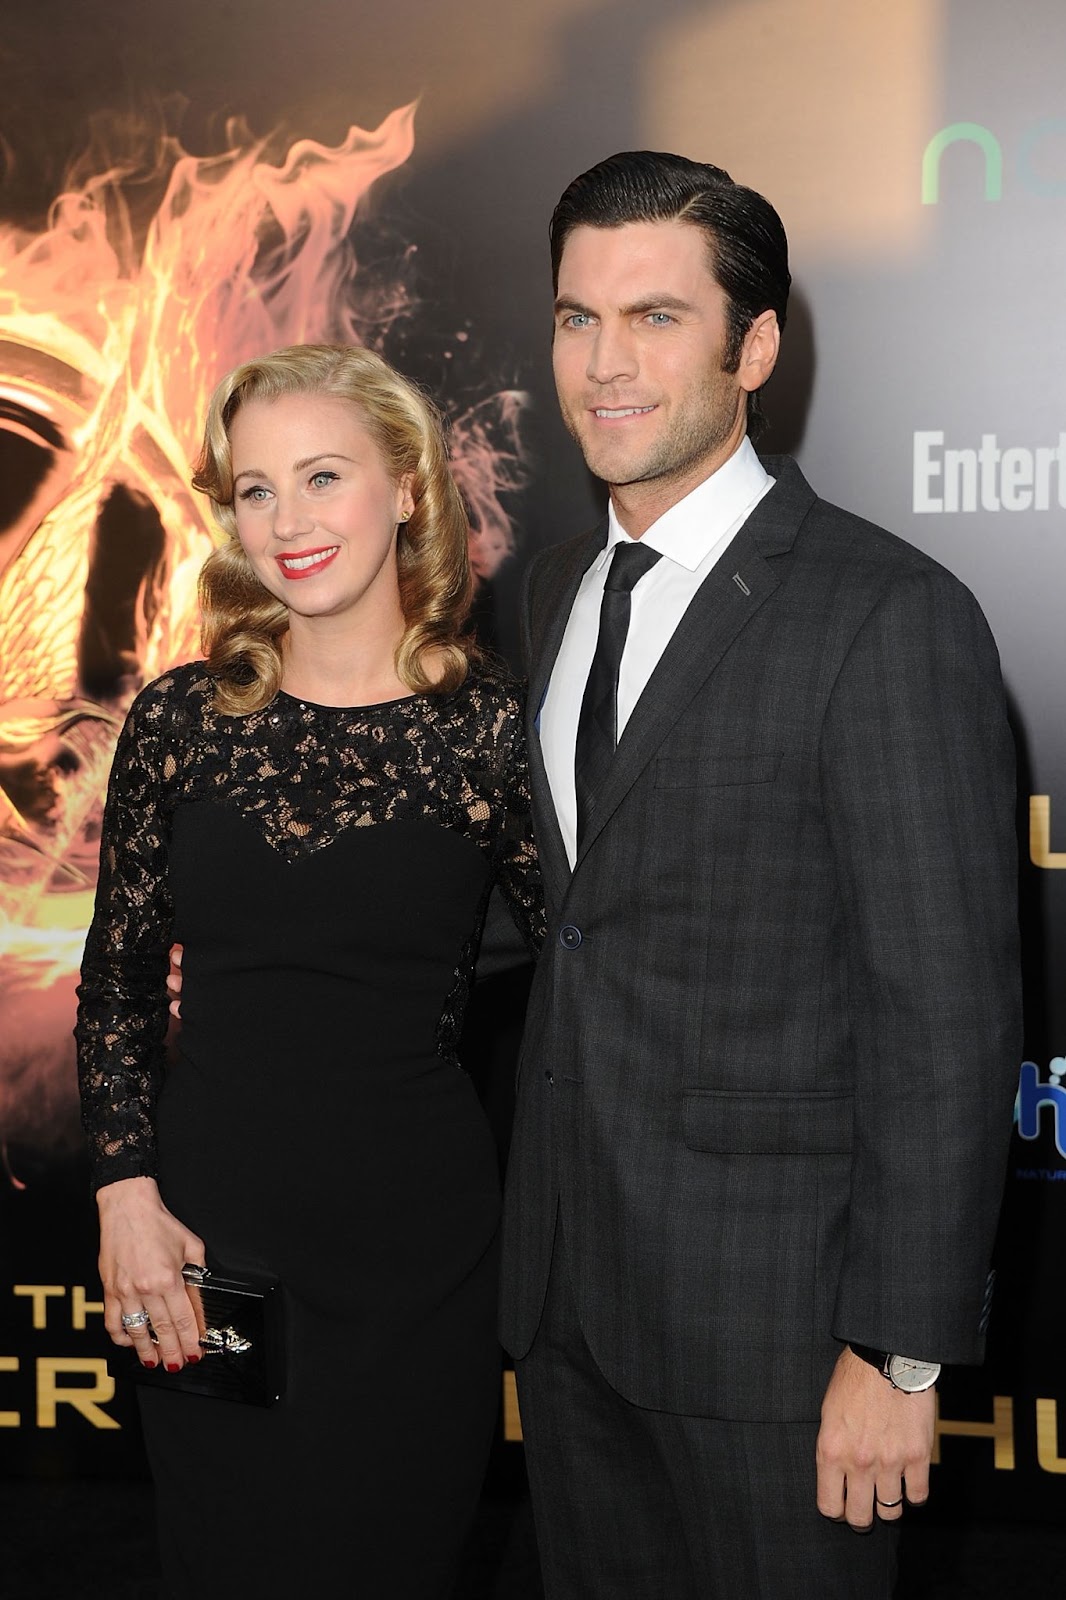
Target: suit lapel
x,y
722,607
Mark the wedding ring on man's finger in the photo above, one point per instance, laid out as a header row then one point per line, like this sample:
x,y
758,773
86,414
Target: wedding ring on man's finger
x,y
134,1319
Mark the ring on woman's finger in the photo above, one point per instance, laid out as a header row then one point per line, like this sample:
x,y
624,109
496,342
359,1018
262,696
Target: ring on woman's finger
x,y
890,1505
134,1319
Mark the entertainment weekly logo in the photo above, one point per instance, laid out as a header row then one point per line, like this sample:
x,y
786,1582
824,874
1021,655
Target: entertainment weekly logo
x,y
986,476
1041,1105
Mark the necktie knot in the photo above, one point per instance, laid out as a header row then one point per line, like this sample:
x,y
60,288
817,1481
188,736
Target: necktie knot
x,y
630,561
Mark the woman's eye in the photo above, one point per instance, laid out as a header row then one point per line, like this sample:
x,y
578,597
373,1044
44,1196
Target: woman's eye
x,y
256,493
321,480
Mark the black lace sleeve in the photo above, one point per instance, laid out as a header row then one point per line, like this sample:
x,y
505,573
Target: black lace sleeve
x,y
122,1011
517,869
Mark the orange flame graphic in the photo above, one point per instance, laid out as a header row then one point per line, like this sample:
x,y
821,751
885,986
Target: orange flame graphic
x,y
114,328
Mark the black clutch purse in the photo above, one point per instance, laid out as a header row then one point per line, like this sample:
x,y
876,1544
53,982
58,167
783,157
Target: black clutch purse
x,y
243,1341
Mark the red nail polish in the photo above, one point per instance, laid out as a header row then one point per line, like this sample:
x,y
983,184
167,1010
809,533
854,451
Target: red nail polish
x,y
173,1366
192,1360
149,1366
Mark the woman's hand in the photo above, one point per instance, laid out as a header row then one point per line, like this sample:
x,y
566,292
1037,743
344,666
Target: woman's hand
x,y
142,1251
174,979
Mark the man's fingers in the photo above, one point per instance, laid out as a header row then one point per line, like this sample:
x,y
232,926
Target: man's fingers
x,y
889,1501
852,1498
830,1491
859,1502
916,1483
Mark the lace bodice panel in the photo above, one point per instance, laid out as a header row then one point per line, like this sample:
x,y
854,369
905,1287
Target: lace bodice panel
x,y
303,774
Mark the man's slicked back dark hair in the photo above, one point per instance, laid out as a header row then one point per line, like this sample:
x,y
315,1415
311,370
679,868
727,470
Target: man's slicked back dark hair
x,y
745,237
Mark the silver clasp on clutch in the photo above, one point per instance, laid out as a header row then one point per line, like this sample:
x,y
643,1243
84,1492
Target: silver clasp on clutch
x,y
224,1341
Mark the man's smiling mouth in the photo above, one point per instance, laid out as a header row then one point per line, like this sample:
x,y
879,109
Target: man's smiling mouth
x,y
608,414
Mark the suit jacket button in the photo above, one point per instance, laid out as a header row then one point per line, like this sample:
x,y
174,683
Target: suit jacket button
x,y
570,937
550,1077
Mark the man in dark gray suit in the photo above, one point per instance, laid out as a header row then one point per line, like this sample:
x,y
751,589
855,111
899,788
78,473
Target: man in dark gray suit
x,y
765,1089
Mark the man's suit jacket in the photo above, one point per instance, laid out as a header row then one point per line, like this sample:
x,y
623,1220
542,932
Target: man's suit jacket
x,y
772,1043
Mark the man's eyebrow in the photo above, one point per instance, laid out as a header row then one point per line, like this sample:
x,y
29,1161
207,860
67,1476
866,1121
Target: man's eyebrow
x,y
657,302
649,302
565,303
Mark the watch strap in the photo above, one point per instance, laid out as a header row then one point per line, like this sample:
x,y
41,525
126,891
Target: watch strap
x,y
875,1358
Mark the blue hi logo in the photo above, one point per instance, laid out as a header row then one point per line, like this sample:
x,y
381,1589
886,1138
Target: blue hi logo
x,y
1033,1096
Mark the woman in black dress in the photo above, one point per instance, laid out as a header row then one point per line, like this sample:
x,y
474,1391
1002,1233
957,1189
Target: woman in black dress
x,y
317,812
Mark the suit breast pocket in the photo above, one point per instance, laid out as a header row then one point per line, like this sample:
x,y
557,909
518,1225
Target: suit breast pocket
x,y
716,771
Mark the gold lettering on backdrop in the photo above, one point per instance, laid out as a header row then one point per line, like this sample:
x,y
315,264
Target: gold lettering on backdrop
x,y
1040,851
81,1307
10,1419
89,1400
1000,1430
40,1294
96,1386
1047,1436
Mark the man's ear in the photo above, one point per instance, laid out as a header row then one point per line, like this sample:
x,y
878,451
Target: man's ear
x,y
758,355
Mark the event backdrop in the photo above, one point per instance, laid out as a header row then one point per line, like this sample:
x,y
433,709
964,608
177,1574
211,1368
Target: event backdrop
x,y
185,186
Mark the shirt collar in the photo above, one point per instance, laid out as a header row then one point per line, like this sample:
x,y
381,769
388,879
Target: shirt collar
x,y
689,529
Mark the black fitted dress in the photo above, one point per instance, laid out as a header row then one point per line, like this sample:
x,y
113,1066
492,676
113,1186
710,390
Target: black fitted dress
x,y
327,871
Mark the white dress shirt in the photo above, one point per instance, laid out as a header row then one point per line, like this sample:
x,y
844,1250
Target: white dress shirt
x,y
691,537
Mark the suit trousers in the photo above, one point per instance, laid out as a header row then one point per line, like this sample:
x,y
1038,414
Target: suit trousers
x,y
655,1506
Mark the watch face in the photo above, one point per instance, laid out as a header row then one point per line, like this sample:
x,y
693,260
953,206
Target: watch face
x,y
912,1376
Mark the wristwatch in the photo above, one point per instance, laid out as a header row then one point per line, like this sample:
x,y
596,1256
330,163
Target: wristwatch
x,y
912,1377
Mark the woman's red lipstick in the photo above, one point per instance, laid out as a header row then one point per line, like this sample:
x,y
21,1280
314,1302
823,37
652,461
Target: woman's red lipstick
x,y
308,566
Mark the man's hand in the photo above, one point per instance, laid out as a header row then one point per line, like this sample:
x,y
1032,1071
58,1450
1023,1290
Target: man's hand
x,y
174,979
874,1445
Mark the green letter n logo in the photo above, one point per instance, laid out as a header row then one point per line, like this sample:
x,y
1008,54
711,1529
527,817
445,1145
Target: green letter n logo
x,y
976,134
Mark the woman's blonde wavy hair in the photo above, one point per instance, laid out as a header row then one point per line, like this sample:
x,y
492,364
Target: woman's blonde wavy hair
x,y
243,625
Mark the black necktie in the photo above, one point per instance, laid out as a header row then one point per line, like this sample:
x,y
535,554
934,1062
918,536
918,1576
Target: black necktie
x,y
597,727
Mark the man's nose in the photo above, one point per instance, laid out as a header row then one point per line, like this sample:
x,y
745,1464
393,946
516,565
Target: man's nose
x,y
613,355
